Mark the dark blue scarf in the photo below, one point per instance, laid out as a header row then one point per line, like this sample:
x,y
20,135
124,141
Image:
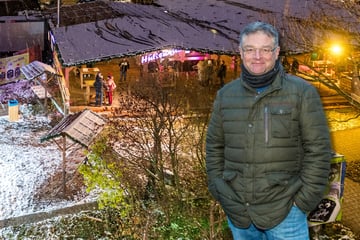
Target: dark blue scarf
x,y
260,81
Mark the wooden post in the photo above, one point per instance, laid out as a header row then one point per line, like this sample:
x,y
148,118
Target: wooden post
x,y
64,165
87,94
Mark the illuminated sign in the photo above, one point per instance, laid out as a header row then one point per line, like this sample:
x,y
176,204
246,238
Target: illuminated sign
x,y
158,55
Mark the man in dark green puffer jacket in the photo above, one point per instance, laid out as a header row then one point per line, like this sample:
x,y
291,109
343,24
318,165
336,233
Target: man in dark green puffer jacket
x,y
268,148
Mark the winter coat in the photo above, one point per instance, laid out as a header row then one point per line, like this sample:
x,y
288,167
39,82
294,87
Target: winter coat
x,y
110,85
98,84
124,66
268,151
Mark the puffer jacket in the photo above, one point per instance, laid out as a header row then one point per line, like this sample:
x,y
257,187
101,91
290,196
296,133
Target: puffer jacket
x,y
268,151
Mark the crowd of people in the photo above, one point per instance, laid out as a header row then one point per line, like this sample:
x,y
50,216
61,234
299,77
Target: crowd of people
x,y
210,72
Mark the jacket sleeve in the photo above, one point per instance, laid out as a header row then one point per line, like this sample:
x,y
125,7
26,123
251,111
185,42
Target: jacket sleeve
x,y
215,148
317,151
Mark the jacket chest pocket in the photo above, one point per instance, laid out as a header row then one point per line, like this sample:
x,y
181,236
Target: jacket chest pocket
x,y
280,122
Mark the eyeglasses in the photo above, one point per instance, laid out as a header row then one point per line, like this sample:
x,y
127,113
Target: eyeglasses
x,y
262,51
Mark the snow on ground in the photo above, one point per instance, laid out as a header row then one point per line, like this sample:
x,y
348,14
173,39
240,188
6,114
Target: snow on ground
x,y
25,164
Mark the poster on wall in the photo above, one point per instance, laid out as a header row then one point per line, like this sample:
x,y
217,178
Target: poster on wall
x,y
10,67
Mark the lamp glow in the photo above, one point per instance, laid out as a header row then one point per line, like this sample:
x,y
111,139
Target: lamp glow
x,y
336,49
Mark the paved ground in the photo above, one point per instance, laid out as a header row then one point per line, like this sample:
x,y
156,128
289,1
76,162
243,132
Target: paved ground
x,y
351,206
347,143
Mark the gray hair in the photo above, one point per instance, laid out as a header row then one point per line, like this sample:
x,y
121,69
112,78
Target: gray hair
x,y
258,26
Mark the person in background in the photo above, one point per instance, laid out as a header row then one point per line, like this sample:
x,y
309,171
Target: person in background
x,y
98,85
200,71
124,66
209,70
222,73
110,87
268,147
294,66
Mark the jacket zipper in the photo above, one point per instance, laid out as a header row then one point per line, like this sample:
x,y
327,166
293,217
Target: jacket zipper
x,y
266,124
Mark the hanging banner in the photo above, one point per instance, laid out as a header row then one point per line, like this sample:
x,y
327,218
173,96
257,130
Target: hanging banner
x,y
10,67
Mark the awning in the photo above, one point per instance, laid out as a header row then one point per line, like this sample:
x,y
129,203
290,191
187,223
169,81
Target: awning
x,y
36,69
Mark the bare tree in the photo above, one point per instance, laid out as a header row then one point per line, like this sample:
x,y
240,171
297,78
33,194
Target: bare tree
x,y
310,38
156,154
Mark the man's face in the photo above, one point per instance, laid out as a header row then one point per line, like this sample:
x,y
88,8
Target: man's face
x,y
258,53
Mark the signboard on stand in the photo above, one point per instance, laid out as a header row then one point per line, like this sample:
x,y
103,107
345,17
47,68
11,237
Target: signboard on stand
x,y
329,208
87,79
87,76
